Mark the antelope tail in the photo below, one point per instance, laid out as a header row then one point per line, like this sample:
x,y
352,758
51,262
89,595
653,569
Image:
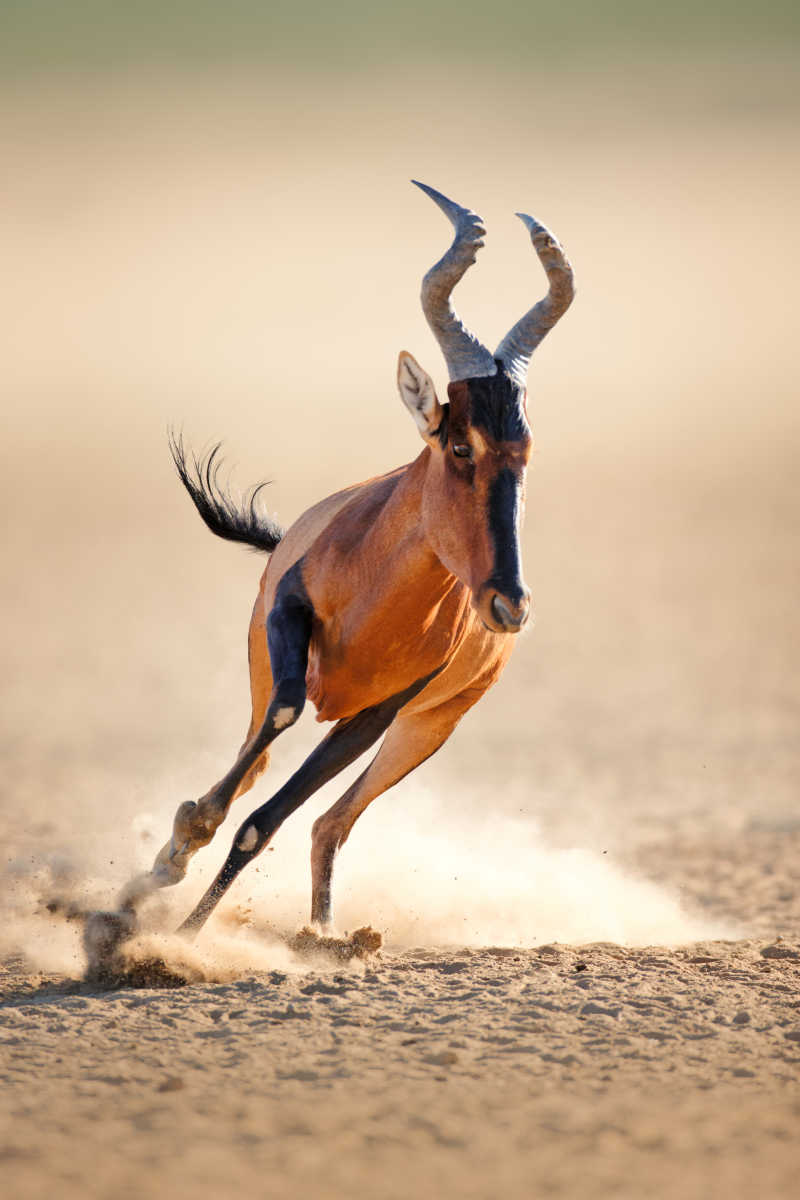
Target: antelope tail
x,y
237,521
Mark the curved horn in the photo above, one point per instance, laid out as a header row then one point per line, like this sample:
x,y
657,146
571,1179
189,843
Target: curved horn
x,y
518,345
466,358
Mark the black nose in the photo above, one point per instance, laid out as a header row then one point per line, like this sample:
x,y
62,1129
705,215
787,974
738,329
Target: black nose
x,y
511,616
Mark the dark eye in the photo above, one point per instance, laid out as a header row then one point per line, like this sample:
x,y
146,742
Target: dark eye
x,y
462,450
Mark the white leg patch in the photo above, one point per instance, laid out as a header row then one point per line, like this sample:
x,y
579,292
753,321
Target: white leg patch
x,y
283,717
249,840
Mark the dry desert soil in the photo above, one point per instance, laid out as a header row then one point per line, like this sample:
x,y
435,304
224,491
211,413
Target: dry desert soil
x,y
589,985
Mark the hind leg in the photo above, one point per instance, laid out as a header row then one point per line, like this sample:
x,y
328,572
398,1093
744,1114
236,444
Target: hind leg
x,y
196,822
194,826
411,739
278,692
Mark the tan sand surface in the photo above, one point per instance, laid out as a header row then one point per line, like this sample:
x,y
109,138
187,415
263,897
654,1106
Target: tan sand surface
x,y
590,979
478,1072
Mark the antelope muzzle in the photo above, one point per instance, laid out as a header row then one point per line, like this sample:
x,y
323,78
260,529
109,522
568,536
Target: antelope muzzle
x,y
511,615
506,611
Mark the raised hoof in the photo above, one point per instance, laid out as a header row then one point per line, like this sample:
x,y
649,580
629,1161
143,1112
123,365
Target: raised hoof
x,y
195,824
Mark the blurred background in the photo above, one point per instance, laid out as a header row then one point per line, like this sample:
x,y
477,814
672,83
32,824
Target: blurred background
x,y
207,221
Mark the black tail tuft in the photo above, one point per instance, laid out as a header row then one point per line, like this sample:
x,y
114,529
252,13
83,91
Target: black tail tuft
x,y
237,522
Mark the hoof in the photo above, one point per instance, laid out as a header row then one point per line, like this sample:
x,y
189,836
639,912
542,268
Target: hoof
x,y
195,824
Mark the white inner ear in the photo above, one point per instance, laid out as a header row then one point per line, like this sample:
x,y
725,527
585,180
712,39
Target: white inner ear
x,y
418,394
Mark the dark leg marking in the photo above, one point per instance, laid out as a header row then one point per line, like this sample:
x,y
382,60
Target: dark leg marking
x,y
288,637
343,745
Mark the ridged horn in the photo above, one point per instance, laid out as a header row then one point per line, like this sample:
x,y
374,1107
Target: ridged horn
x,y
518,345
466,358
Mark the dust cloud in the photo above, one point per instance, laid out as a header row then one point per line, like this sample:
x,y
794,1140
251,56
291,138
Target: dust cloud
x,y
419,872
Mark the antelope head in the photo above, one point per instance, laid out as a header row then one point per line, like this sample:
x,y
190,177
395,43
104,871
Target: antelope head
x,y
480,440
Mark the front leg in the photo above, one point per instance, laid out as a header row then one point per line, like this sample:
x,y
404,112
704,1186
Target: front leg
x,y
343,745
411,738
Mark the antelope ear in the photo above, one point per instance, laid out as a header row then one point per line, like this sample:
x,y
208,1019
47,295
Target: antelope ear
x,y
419,395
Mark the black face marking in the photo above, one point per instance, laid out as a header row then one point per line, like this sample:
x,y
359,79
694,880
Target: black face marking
x,y
505,497
496,405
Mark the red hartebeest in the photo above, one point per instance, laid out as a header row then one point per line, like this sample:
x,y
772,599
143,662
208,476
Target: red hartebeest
x,y
390,604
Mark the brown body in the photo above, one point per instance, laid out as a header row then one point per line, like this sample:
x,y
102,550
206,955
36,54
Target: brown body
x,y
389,606
386,610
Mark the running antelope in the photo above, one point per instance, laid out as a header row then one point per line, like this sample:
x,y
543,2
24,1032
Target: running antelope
x,y
392,604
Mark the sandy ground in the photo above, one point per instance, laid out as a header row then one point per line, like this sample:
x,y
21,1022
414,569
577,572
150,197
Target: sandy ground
x,y
598,1070
589,899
